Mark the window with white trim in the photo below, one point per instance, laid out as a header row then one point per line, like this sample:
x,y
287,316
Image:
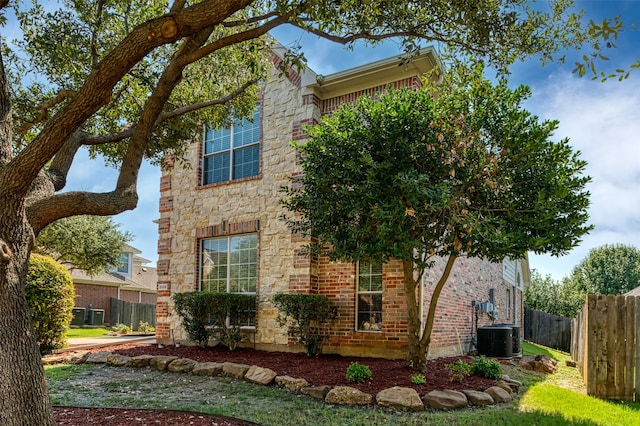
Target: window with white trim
x,y
230,264
369,297
233,152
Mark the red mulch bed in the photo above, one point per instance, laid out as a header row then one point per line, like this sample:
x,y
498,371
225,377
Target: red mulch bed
x,y
324,370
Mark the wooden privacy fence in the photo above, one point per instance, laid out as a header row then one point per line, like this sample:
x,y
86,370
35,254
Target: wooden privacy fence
x,y
606,346
546,329
131,314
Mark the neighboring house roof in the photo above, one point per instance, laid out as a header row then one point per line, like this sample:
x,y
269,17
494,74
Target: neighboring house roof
x,y
634,292
143,278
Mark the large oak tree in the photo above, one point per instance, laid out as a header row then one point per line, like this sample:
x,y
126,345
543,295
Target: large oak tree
x,y
458,170
132,79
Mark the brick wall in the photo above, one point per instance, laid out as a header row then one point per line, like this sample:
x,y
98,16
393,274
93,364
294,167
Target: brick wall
x,y
99,296
96,295
456,318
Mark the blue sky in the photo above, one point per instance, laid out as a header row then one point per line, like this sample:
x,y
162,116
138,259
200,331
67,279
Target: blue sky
x,y
600,119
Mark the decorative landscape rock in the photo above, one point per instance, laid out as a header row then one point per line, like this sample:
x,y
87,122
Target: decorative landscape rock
x,y
541,363
397,397
181,365
504,385
72,358
235,370
346,395
77,357
160,362
140,361
207,368
293,384
118,360
478,398
498,394
401,398
98,357
317,392
260,375
445,399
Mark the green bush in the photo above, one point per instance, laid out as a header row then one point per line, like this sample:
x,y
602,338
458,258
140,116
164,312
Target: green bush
x,y
205,314
418,379
122,329
144,327
486,367
308,317
358,373
50,297
459,369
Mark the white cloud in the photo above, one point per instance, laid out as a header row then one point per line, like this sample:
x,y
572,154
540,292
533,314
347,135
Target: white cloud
x,y
601,120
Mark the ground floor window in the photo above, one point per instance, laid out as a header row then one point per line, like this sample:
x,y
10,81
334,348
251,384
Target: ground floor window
x,y
369,297
230,264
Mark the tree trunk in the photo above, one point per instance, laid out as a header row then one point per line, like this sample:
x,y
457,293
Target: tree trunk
x,y
23,389
419,342
417,350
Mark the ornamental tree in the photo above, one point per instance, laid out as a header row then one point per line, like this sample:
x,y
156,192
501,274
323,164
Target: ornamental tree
x,y
90,243
131,80
560,298
416,175
608,269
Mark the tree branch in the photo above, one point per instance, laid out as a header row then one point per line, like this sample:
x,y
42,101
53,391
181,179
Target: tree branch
x,y
235,38
425,339
44,111
5,118
66,204
253,20
128,131
99,85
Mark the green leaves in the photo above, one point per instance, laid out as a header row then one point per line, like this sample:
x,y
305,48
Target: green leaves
x,y
468,172
308,317
91,243
50,297
608,269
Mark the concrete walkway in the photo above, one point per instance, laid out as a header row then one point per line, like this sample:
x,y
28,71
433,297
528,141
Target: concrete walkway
x,y
81,343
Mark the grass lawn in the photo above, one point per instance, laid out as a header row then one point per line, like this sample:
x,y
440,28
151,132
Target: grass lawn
x,y
562,395
87,332
548,399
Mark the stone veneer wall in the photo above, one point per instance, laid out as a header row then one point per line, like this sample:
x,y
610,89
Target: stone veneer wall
x,y
190,211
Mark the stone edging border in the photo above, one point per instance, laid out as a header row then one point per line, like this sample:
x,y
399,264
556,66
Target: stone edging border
x,y
397,397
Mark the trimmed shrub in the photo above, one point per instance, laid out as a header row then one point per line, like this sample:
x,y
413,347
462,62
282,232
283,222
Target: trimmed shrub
x,y
50,297
486,367
358,373
216,315
459,369
308,317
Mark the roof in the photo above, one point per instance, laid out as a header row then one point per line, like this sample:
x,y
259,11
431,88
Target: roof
x,y
634,292
144,278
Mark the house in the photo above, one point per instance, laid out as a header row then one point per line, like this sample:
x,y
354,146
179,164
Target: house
x,y
220,230
634,292
132,281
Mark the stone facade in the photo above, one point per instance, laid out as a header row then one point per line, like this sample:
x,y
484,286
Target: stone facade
x,y
191,212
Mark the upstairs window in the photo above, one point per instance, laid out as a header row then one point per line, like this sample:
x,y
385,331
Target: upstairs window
x,y
232,153
369,294
124,265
